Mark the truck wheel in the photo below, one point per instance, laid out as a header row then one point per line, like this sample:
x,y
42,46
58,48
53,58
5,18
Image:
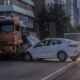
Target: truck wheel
x,y
27,57
62,56
20,49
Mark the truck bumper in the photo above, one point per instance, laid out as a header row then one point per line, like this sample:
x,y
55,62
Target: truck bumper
x,y
8,49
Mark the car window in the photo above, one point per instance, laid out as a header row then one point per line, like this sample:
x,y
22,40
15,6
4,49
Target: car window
x,y
43,43
40,44
52,42
58,42
46,43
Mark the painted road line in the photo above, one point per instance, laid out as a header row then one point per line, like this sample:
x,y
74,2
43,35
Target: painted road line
x,y
58,72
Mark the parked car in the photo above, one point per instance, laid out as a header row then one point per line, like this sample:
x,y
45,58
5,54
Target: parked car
x,y
53,48
72,36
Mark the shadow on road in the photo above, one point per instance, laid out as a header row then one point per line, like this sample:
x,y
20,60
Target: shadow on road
x,y
49,61
5,58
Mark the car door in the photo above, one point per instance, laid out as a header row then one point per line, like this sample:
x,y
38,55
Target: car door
x,y
58,47
52,49
41,50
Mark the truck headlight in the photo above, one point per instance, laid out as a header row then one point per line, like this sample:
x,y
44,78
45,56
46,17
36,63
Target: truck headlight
x,y
1,51
12,48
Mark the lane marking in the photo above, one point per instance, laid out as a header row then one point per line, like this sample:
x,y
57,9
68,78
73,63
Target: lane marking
x,y
56,72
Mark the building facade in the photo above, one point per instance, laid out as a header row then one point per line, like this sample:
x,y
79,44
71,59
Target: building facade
x,y
78,9
71,8
38,5
78,16
69,5
19,8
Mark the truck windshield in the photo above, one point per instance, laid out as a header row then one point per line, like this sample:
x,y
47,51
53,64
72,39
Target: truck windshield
x,y
6,28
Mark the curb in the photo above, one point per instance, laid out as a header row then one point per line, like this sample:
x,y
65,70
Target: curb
x,y
59,72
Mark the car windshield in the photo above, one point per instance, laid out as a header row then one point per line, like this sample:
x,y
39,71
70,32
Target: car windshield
x,y
6,28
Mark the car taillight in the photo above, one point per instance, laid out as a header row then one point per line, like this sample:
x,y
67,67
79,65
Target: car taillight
x,y
74,45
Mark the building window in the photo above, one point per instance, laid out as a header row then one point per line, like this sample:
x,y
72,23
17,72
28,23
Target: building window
x,y
52,1
7,2
72,12
0,2
25,20
64,2
29,7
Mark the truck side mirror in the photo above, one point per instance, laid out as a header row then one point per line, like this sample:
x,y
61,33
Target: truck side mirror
x,y
17,28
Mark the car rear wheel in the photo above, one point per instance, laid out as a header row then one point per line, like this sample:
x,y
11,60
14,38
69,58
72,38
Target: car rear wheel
x,y
27,57
73,58
62,56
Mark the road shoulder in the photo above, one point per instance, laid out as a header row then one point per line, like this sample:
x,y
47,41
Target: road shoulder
x,y
53,75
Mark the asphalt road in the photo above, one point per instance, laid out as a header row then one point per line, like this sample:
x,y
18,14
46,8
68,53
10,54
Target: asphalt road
x,y
36,70
72,74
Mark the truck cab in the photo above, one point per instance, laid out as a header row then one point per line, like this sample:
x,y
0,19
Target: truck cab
x,y
10,34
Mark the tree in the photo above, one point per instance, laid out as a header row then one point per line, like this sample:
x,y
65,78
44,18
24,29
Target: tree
x,y
43,24
60,17
53,13
77,29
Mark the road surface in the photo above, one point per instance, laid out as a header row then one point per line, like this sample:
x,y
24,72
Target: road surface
x,y
72,74
36,70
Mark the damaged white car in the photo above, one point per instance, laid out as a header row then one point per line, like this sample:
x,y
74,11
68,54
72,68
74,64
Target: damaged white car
x,y
53,48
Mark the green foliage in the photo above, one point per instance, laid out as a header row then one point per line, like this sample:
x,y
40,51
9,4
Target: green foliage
x,y
42,20
77,29
53,13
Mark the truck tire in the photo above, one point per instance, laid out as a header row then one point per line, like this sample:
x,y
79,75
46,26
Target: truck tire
x,y
20,49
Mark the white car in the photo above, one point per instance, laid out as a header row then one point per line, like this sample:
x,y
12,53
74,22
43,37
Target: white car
x,y
53,48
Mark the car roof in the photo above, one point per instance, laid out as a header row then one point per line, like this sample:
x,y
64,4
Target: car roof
x,y
61,39
54,39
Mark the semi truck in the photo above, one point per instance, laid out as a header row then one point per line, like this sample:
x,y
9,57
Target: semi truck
x,y
11,38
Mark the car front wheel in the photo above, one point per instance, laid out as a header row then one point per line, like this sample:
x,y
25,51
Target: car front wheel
x,y
62,56
27,57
